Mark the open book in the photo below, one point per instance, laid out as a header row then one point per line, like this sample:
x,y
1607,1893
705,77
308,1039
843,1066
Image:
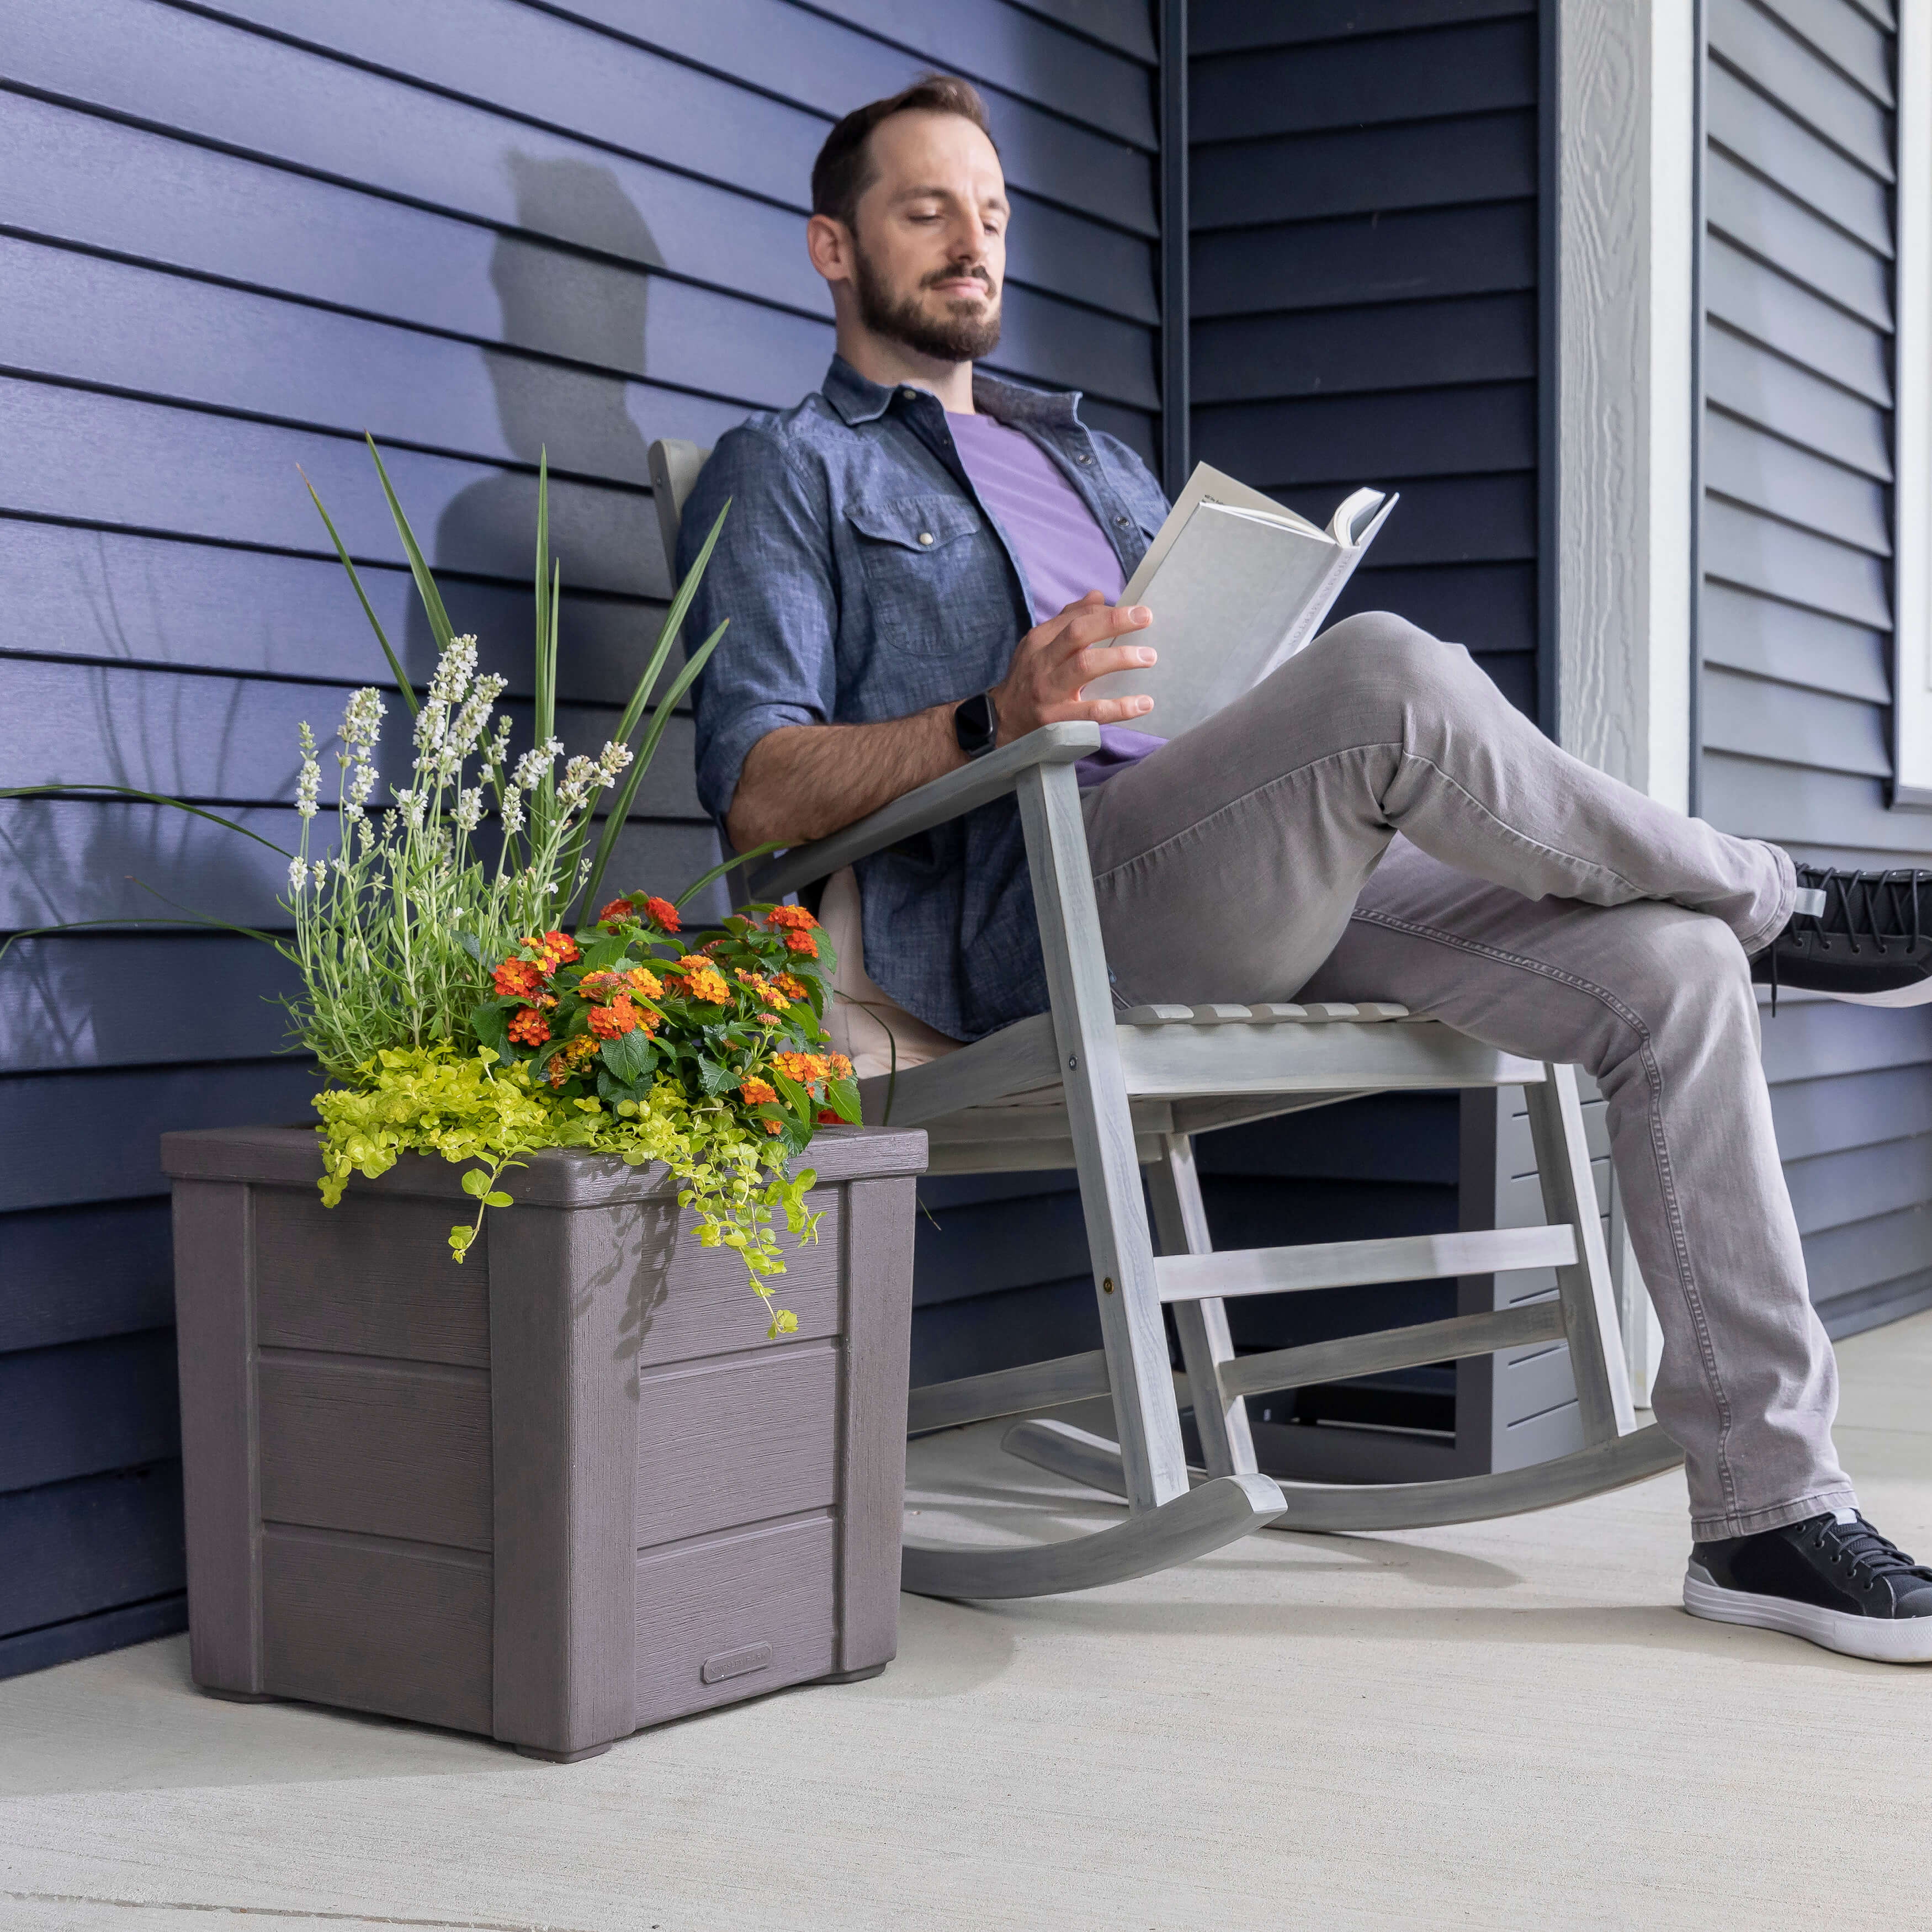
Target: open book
x,y
1237,585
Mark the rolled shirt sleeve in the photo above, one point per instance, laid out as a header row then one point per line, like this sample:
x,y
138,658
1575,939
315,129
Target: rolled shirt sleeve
x,y
770,579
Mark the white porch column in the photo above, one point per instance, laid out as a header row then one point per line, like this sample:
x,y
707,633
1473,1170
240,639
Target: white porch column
x,y
1625,133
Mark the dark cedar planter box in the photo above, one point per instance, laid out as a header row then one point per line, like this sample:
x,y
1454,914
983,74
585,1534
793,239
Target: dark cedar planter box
x,y
564,1491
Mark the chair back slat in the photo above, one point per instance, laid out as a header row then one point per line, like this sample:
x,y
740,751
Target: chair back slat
x,y
674,465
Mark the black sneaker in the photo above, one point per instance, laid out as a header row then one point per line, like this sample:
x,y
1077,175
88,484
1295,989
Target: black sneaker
x,y
1833,1579
1865,937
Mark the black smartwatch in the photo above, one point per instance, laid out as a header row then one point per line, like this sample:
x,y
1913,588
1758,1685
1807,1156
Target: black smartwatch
x,y
977,725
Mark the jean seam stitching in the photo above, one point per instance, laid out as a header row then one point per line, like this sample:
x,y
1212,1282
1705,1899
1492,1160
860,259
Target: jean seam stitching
x,y
1653,1082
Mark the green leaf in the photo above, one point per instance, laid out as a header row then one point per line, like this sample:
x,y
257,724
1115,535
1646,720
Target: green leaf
x,y
842,1097
395,663
475,1182
490,1023
498,1199
432,598
715,1078
629,1056
797,1099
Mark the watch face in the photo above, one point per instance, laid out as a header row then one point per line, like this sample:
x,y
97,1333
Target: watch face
x,y
974,725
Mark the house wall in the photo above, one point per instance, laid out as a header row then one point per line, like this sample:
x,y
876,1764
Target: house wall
x,y
232,239
1796,618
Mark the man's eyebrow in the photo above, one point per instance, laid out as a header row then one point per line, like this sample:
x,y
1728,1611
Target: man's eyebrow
x,y
936,193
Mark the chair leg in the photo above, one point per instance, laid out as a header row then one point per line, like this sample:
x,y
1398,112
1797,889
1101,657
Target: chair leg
x,y
1119,1243
1585,1289
1180,1219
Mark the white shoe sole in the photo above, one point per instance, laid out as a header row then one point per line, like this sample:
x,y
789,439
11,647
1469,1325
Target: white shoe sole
x,y
1914,995
1904,1640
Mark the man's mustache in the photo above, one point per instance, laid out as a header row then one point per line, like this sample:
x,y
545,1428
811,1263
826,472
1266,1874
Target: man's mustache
x,y
953,271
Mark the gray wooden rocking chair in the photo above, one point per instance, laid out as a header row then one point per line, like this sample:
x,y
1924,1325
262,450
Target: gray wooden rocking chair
x,y
1114,1094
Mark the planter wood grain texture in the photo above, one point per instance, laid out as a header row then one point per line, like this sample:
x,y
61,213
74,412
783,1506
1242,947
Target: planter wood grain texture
x,y
561,1492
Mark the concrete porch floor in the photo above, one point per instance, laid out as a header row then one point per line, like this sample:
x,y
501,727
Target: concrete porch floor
x,y
1510,1725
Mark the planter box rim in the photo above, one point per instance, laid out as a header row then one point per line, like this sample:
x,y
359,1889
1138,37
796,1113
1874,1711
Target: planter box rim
x,y
555,1177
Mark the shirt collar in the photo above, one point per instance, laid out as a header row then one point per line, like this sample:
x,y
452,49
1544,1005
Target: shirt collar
x,y
858,399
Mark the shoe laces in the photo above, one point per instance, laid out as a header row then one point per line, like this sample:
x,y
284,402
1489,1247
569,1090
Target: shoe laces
x,y
1859,1545
1861,907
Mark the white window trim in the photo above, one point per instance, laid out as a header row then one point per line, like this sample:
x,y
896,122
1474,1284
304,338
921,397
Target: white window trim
x,y
1912,418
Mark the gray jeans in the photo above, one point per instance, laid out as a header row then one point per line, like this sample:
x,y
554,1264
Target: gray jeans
x,y
1376,821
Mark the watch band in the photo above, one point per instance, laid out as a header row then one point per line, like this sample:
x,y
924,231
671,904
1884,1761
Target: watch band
x,y
975,724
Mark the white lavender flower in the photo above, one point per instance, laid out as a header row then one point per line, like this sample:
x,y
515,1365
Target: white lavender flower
x,y
611,762
310,781
513,810
474,715
412,804
580,779
454,671
320,872
470,809
496,753
534,765
362,718
297,874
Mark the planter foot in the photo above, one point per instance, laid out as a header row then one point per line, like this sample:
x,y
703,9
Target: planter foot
x,y
237,1696
853,1676
561,1757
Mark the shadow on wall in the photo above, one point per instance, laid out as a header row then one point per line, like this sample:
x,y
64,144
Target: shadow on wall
x,y
574,335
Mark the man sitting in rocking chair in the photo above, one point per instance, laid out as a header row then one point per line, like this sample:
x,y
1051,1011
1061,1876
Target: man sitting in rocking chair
x,y
921,563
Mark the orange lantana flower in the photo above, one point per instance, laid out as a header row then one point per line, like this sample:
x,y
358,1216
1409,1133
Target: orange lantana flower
x,y
613,1021
795,916
518,978
644,982
615,912
804,1068
570,1057
792,987
758,1092
800,942
529,1026
664,913
700,980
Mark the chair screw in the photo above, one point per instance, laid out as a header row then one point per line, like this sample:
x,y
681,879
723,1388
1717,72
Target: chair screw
x,y
1071,1063
1106,1284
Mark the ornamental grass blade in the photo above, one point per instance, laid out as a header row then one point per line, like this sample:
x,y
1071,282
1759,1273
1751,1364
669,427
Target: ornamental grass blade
x,y
432,598
75,926
731,865
134,791
620,810
668,632
368,609
545,681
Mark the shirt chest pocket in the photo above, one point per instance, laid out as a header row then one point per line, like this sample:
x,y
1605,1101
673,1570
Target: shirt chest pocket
x,y
932,566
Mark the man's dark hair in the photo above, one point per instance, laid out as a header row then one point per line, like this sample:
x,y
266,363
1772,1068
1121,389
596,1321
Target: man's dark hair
x,y
844,170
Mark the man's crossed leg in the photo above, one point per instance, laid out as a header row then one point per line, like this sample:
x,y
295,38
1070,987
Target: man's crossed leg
x,y
1375,821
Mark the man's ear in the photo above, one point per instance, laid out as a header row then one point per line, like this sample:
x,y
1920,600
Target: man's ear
x,y
829,242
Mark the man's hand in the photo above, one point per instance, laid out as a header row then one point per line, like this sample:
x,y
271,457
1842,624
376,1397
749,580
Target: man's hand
x,y
1056,659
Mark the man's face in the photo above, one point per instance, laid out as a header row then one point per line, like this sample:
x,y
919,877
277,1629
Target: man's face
x,y
930,252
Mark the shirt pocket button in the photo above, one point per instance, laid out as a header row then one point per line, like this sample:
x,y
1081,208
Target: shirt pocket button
x,y
926,537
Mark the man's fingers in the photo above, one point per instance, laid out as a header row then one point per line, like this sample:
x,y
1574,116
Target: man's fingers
x,y
1098,711
1085,666
1093,624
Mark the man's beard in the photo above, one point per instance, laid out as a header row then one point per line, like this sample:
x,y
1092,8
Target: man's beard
x,y
964,336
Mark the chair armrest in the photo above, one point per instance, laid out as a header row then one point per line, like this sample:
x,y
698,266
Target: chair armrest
x,y
972,785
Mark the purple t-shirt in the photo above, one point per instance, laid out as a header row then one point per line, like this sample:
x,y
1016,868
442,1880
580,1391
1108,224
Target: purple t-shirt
x,y
1063,553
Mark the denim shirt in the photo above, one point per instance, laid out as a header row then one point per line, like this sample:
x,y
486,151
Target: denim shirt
x,y
865,580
